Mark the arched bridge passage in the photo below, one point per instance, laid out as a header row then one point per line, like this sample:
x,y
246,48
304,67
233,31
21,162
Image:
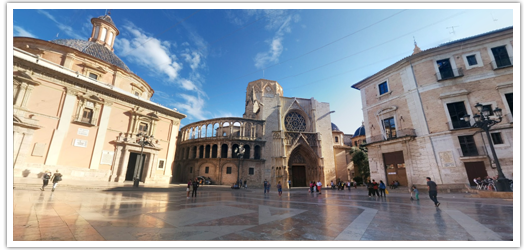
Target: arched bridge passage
x,y
232,127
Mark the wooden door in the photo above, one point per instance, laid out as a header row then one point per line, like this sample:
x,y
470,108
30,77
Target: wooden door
x,y
395,168
299,178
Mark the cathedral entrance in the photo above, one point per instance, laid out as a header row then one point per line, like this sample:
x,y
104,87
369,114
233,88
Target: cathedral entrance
x,y
299,177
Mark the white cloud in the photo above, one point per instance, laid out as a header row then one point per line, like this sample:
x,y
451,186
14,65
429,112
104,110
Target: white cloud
x,y
19,31
193,59
149,52
262,59
193,106
65,28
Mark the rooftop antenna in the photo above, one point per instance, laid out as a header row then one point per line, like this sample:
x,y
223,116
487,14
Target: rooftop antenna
x,y
414,40
109,12
453,29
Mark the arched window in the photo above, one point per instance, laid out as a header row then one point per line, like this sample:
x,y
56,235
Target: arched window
x,y
201,151
246,155
336,139
214,151
295,122
224,151
207,151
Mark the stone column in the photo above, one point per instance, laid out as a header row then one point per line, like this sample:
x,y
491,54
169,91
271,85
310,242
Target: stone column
x,y
101,136
197,151
63,127
117,163
229,154
252,150
121,174
219,150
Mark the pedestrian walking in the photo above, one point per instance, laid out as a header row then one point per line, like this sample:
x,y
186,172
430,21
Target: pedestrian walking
x,y
349,185
311,187
45,179
381,186
265,183
268,187
188,188
195,186
57,176
432,188
355,184
415,190
279,188
290,184
332,184
245,184
318,187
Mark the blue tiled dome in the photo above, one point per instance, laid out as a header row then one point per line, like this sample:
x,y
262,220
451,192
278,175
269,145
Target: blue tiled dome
x,y
359,131
334,127
108,19
93,49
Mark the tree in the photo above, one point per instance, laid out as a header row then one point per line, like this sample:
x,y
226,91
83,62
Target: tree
x,y
361,162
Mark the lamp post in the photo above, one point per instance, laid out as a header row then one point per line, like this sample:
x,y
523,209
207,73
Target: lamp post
x,y
239,152
483,121
143,140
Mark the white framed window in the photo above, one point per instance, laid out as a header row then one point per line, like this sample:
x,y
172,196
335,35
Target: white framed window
x,y
103,34
161,163
472,60
446,68
501,54
383,88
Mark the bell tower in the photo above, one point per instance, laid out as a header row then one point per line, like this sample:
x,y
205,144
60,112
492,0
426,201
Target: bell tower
x,y
104,31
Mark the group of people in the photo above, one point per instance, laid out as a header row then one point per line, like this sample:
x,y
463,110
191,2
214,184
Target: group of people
x,y
315,187
486,182
55,178
195,185
395,184
342,184
266,186
376,188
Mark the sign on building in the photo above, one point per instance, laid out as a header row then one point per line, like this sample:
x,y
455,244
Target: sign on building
x,y
83,131
106,158
80,143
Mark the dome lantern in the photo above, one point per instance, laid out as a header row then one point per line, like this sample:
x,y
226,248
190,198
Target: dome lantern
x,y
104,31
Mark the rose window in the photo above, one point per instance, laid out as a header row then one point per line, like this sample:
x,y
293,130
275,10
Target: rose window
x,y
295,122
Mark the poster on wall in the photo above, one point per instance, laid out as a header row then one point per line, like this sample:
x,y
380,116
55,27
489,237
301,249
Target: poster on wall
x,y
106,158
83,131
80,143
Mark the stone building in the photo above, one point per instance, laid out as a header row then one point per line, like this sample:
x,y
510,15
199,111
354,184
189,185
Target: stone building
x,y
77,107
343,165
413,112
284,138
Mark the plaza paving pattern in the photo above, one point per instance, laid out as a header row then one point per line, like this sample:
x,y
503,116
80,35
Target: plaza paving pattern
x,y
222,214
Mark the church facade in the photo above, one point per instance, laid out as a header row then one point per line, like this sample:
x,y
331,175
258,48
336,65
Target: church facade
x,y
78,108
278,139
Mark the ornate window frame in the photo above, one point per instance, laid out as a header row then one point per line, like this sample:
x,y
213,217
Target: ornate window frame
x,y
138,117
88,101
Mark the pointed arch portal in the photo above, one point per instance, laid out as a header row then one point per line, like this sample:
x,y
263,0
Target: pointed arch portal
x,y
302,165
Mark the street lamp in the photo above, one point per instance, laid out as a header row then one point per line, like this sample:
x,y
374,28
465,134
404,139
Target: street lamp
x,y
143,140
483,121
239,152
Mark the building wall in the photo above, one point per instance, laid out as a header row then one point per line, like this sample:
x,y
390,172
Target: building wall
x,y
419,101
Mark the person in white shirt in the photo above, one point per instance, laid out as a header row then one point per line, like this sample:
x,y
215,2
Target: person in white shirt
x,y
319,187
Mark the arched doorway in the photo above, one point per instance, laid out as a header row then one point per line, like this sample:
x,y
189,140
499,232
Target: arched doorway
x,y
302,166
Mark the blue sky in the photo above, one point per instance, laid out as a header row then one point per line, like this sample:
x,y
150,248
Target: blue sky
x,y
201,60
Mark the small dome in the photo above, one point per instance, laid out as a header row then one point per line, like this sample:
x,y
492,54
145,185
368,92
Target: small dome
x,y
359,131
108,19
334,127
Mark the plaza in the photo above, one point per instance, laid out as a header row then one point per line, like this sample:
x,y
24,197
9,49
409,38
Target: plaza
x,y
111,212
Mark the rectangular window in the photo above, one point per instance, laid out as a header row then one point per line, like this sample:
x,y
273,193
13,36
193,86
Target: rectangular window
x,y
383,88
489,108
390,128
501,56
472,60
468,146
336,139
86,115
457,110
509,100
251,171
445,69
143,127
228,170
206,170
497,138
93,76
161,164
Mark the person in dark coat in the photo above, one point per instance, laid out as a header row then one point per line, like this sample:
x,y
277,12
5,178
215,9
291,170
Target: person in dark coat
x,y
57,176
195,185
45,179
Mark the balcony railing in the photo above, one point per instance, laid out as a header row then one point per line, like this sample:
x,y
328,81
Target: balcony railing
x,y
502,62
472,151
458,125
449,74
399,134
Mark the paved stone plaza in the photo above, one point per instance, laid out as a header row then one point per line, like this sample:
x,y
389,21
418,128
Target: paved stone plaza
x,y
221,214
